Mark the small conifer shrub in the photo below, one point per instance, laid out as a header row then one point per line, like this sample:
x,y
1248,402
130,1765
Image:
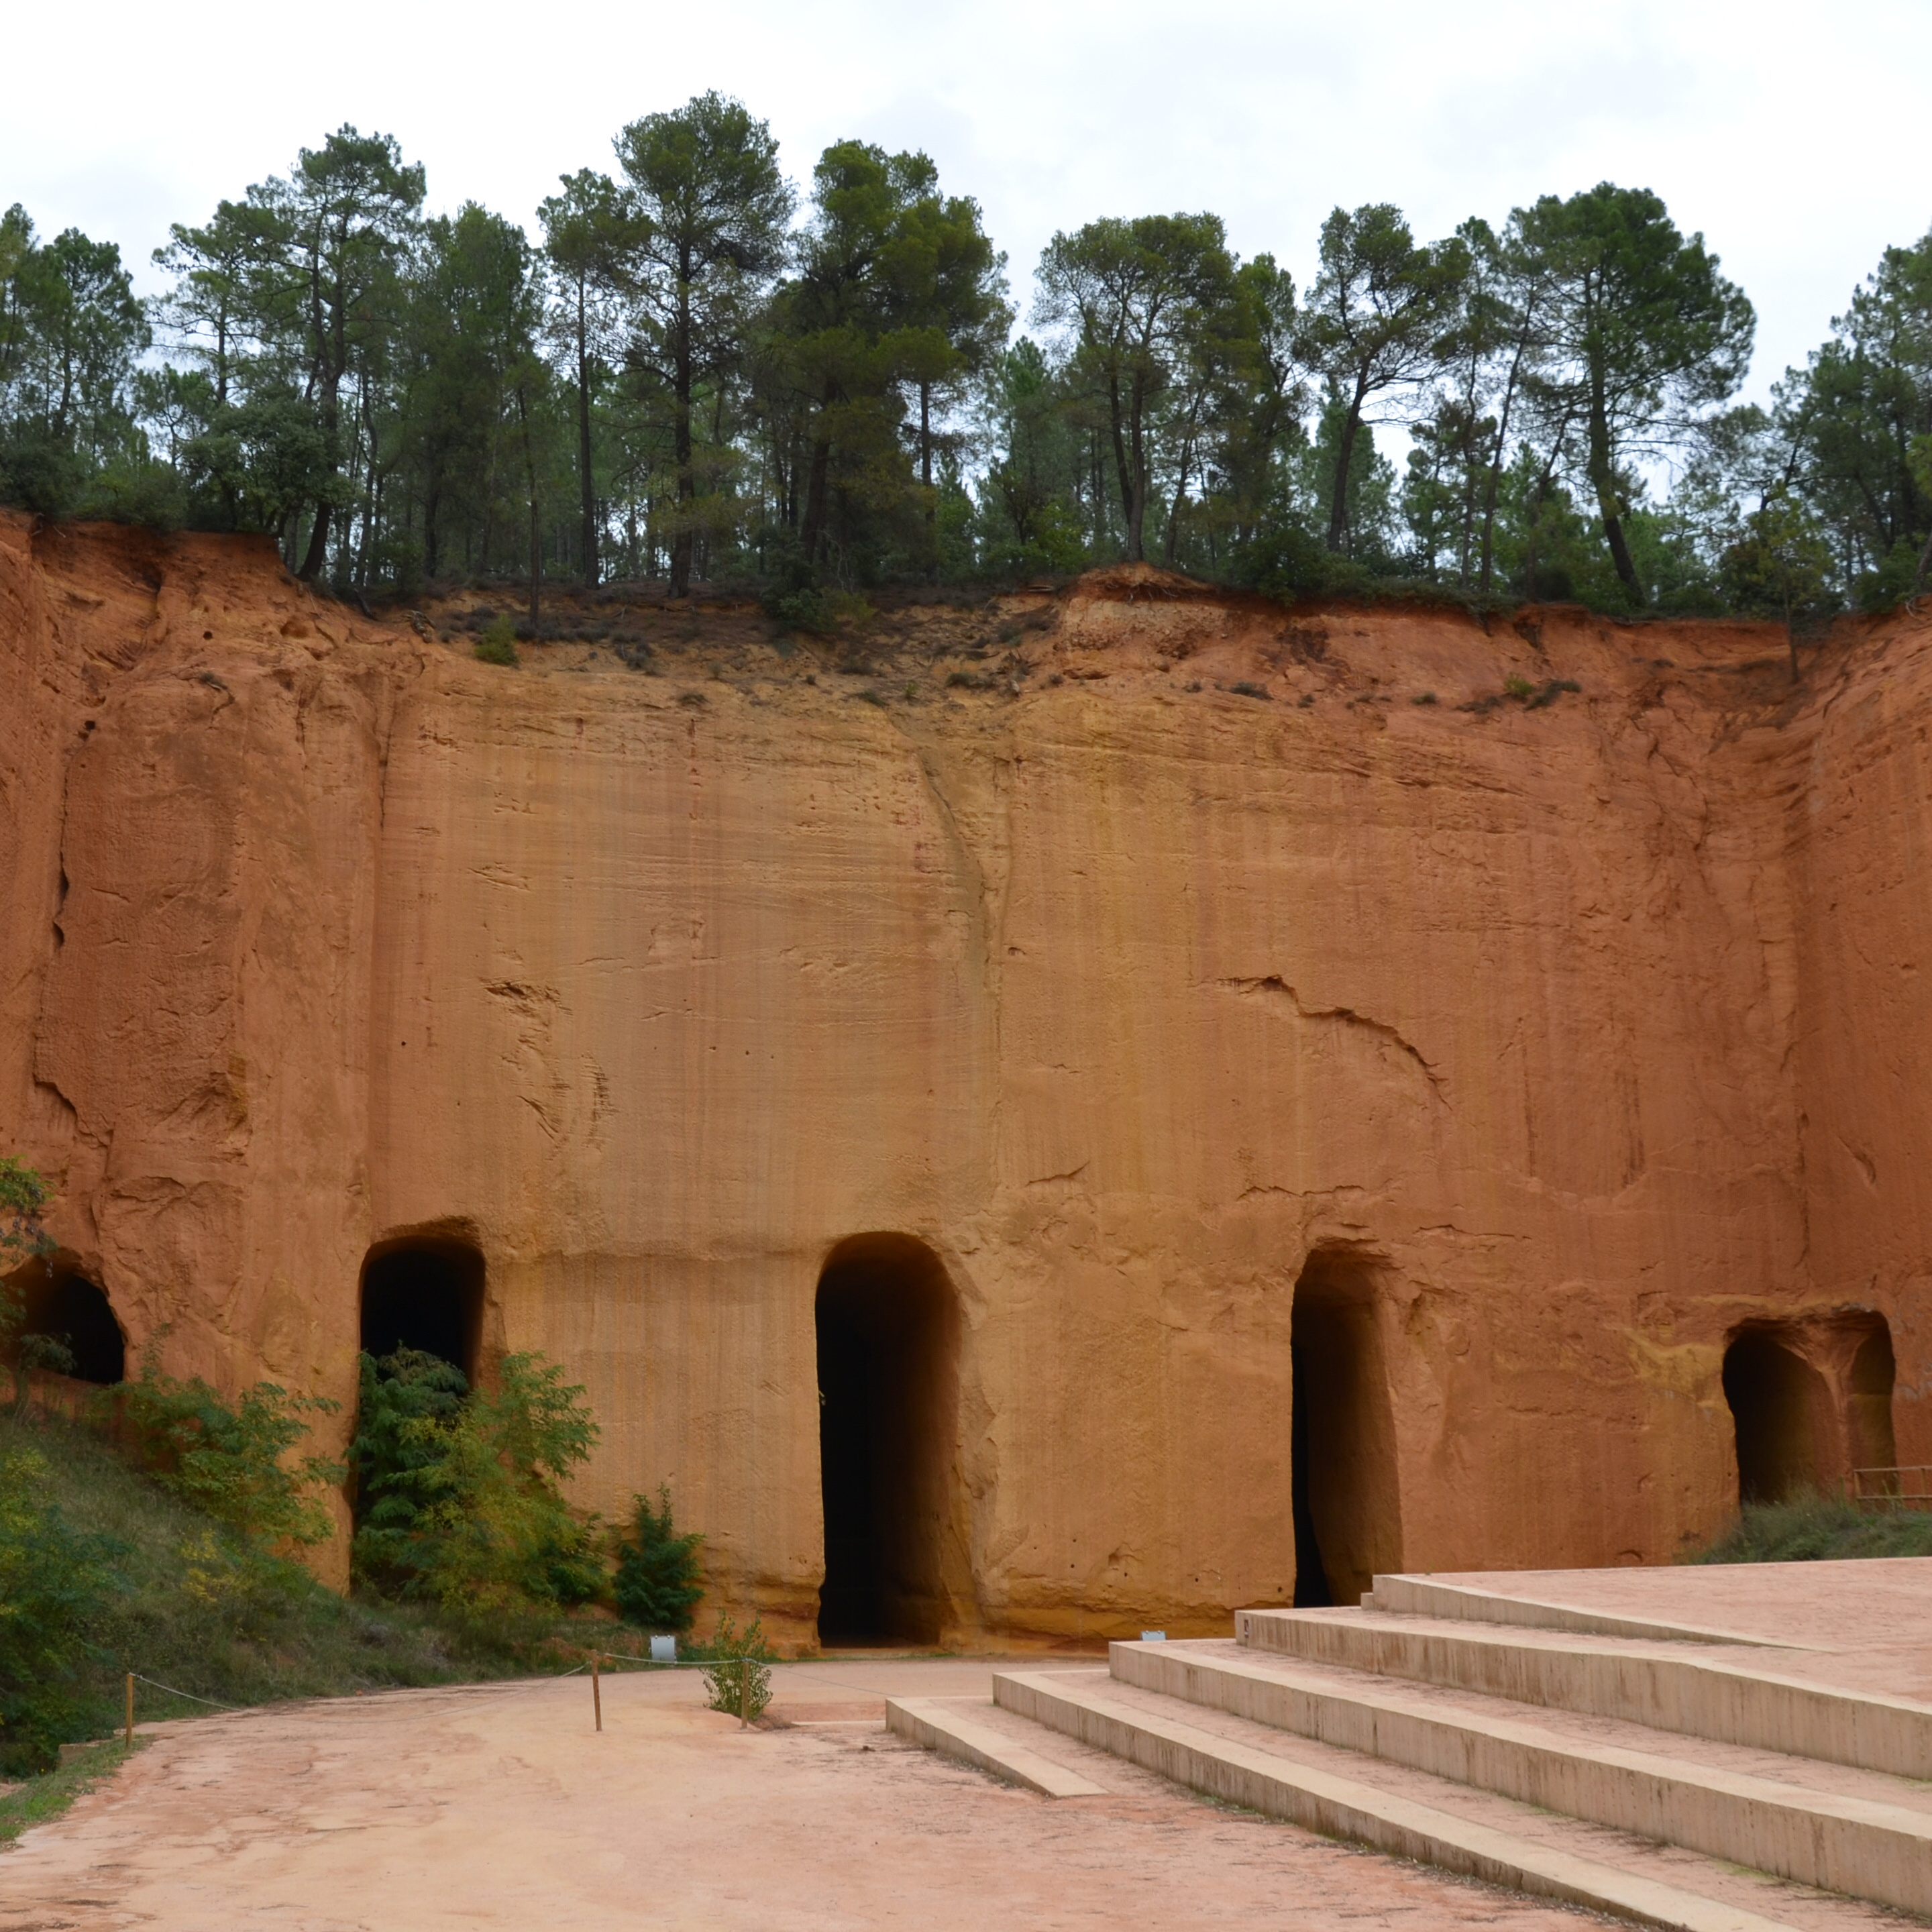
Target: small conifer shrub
x,y
459,1500
498,644
656,1585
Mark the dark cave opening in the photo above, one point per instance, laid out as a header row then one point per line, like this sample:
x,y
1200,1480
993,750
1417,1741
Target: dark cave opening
x,y
1776,1398
1347,1516
426,1295
64,1304
888,1335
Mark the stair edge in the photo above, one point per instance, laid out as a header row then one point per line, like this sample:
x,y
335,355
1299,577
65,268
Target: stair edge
x,y
1344,1808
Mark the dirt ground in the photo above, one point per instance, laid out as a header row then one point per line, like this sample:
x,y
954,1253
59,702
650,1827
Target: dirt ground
x,y
499,1806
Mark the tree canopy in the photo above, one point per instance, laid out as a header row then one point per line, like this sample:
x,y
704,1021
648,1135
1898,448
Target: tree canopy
x,y
697,370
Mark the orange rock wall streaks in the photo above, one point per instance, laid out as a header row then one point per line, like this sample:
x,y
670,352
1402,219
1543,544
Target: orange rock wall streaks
x,y
1589,1030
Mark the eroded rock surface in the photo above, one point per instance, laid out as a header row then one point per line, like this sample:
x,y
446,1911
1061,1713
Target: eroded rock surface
x,y
1175,954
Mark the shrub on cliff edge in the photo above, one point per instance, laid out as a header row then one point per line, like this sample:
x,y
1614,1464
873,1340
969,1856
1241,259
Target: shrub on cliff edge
x,y
498,644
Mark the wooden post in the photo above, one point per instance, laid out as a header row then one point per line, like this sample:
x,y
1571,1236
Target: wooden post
x,y
596,1693
130,1710
744,1693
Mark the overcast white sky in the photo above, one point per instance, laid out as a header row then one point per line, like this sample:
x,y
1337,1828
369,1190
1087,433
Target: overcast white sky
x,y
1793,137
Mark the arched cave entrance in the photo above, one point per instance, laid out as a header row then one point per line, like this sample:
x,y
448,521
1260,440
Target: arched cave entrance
x,y
888,1323
426,1295
61,1302
1780,1407
1348,1512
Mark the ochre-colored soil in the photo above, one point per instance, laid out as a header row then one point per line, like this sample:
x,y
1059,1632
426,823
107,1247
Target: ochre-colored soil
x,y
501,1808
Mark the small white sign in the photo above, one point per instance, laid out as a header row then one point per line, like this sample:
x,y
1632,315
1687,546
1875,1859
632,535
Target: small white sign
x,y
664,1650
1154,1637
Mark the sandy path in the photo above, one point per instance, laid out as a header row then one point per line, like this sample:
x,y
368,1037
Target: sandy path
x,y
499,1807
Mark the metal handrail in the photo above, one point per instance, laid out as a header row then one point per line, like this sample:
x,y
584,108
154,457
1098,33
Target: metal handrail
x,y
1906,1486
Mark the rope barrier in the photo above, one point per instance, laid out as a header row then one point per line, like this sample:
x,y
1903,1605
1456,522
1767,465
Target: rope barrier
x,y
155,1684
590,1663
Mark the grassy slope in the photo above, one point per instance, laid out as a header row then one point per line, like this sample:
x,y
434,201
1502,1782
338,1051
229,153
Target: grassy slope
x,y
39,1799
1814,1528
196,1610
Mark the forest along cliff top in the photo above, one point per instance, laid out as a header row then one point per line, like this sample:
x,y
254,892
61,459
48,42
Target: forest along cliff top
x,y
109,600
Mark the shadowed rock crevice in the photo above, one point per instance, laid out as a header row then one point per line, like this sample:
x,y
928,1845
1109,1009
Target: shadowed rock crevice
x,y
1274,987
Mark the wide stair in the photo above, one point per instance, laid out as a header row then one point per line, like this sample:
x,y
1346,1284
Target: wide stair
x,y
1668,1775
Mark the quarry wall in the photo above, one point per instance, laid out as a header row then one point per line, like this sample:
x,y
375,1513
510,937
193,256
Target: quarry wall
x,y
1551,1043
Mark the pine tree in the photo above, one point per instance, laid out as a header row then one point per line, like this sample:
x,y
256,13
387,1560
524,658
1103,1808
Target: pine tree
x,y
656,1586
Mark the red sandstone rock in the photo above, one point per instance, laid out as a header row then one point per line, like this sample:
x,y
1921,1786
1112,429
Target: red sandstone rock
x,y
1546,1047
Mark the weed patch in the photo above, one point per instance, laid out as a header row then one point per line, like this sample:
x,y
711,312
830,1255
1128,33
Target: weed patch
x,y
738,1677
1517,691
1817,1529
40,1799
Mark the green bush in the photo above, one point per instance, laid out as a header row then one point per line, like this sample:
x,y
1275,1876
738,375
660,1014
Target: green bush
x,y
656,1585
230,1463
498,644
409,1403
195,1604
458,1489
23,1196
1812,1527
739,1676
40,472
54,1586
1289,562
820,613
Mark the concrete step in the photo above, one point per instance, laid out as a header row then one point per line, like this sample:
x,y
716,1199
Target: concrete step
x,y
955,1727
1830,1826
1429,1596
1735,1695
1412,1814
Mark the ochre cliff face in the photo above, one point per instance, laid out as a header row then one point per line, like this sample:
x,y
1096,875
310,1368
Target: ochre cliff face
x,y
1543,1047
